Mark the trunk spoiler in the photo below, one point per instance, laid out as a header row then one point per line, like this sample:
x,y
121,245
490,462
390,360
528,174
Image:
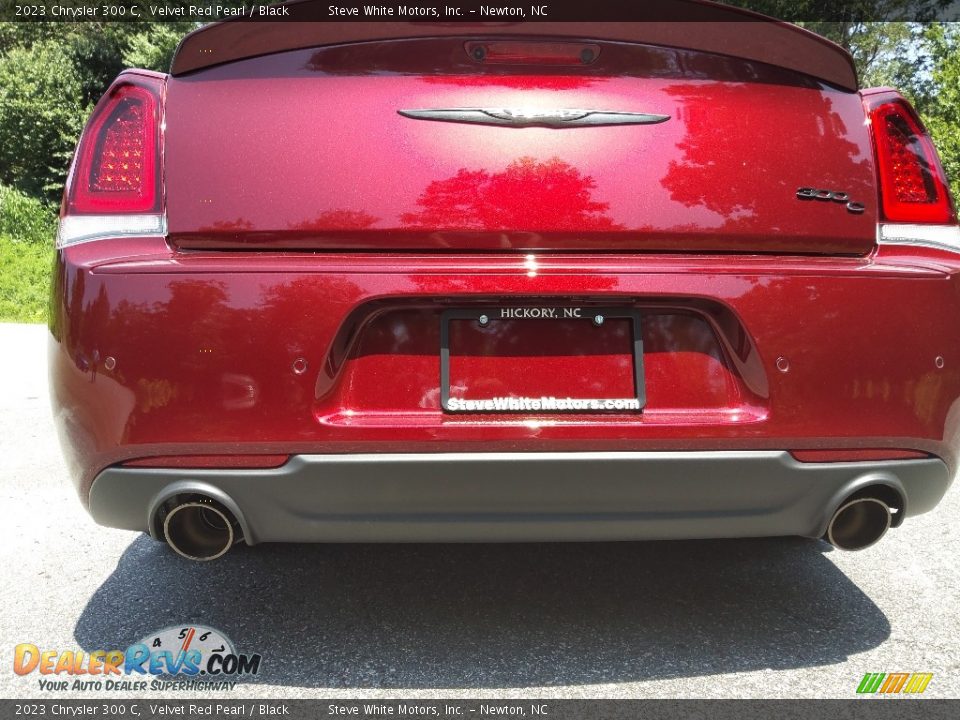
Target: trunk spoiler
x,y
706,26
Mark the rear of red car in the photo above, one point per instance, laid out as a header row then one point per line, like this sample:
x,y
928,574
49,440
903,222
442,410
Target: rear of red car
x,y
537,282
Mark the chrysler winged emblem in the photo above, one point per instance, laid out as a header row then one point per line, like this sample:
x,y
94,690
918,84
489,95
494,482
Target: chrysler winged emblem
x,y
521,118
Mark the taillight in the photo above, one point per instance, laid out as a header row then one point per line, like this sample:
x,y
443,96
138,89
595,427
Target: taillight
x,y
913,186
115,187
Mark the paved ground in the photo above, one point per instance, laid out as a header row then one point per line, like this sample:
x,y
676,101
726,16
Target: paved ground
x,y
760,618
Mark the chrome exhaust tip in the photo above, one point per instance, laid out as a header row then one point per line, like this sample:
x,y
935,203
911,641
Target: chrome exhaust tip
x,y
200,529
859,523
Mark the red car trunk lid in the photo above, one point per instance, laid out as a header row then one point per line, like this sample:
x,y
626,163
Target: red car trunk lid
x,y
308,149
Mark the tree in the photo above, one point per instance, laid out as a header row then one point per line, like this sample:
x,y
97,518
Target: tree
x,y
51,75
937,94
879,34
899,43
527,195
153,48
41,114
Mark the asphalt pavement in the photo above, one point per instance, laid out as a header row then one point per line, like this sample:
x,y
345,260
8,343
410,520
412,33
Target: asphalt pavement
x,y
784,617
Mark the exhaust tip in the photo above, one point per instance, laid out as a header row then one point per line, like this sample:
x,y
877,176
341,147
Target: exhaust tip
x,y
859,523
200,529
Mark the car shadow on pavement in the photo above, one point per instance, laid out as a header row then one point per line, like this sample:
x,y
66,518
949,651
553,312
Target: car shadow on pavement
x,y
491,616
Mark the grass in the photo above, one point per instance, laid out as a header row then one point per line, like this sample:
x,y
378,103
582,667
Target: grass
x,y
27,228
24,280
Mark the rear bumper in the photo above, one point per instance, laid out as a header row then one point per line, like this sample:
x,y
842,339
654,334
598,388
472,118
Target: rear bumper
x,y
510,497
158,354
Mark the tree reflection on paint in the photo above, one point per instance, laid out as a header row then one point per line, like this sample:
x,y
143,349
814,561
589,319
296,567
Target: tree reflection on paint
x,y
338,220
721,170
527,195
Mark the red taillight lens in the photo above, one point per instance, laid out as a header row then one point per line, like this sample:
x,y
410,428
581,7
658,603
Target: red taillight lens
x,y
117,169
123,158
913,187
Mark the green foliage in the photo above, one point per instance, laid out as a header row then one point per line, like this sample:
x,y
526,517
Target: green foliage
x,y
882,52
100,50
25,219
938,98
41,115
153,48
51,75
27,230
104,49
24,280
827,17
922,61
14,34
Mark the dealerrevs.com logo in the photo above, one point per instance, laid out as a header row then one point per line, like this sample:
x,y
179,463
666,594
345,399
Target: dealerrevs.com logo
x,y
191,657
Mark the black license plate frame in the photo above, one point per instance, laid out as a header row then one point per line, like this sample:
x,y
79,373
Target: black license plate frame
x,y
541,312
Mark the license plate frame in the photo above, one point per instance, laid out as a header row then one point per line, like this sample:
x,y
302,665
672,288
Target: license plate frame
x,y
585,314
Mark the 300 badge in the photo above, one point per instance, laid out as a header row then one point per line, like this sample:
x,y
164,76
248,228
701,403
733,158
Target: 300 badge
x,y
809,193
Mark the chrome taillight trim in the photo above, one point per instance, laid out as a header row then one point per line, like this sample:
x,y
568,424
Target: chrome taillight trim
x,y
943,237
75,229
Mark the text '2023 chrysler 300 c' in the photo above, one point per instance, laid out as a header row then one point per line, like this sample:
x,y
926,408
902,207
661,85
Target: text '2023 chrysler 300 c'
x,y
519,282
